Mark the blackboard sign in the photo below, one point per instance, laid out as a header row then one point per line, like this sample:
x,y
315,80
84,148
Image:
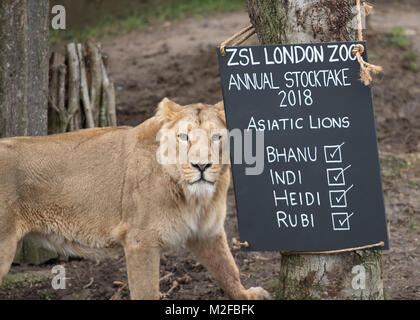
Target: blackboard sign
x,y
315,183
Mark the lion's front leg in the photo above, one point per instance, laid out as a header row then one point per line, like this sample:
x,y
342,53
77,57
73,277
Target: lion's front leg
x,y
215,255
143,271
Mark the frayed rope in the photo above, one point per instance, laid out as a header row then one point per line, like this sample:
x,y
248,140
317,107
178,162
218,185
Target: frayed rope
x,y
366,69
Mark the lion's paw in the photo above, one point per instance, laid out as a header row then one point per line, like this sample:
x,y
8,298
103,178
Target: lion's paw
x,y
257,293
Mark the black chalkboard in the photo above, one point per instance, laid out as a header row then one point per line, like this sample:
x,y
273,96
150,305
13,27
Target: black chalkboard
x,y
319,184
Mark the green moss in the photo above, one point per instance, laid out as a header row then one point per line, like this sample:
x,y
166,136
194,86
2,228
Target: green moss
x,y
22,280
274,29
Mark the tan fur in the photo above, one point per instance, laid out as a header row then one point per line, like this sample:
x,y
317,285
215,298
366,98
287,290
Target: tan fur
x,y
98,189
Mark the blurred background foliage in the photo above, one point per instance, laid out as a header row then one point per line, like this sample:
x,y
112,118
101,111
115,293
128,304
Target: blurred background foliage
x,y
98,19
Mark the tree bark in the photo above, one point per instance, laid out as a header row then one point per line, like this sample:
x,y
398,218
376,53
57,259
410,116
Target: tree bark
x,y
24,71
317,276
303,21
14,67
23,67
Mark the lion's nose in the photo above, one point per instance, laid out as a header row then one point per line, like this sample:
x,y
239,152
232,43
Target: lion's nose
x,y
201,166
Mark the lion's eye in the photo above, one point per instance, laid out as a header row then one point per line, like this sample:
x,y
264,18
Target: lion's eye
x,y
183,136
216,137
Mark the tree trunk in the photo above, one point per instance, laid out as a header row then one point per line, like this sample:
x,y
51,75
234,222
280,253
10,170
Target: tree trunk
x,y
353,275
303,21
24,72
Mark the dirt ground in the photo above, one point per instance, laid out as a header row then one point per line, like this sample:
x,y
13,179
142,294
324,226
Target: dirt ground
x,y
178,60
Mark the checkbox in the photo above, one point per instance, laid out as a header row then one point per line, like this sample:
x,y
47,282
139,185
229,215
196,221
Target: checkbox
x,y
333,153
335,176
340,220
338,198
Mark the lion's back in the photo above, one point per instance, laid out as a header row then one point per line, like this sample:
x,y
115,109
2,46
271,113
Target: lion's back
x,y
81,170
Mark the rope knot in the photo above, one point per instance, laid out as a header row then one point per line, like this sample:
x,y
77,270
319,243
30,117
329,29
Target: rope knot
x,y
366,69
358,49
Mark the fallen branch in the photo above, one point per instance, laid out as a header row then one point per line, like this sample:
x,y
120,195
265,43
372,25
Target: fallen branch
x,y
117,295
89,284
175,284
81,93
167,276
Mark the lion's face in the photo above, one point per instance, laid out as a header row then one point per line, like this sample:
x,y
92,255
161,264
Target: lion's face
x,y
193,144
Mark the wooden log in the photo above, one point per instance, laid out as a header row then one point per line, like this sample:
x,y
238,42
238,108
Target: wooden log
x,y
90,95
109,101
103,121
53,116
95,81
84,90
59,105
73,107
61,102
108,95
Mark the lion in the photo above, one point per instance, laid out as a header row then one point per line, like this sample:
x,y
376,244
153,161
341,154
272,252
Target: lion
x,y
84,192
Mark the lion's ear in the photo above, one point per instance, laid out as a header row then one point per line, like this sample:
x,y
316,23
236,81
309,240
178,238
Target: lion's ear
x,y
221,110
167,110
